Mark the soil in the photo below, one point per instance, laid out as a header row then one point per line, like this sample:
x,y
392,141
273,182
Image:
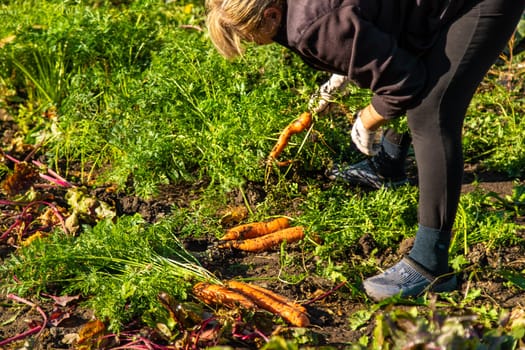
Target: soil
x,y
329,314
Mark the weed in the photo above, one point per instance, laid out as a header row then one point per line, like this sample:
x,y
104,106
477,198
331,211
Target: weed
x,y
474,225
342,217
494,126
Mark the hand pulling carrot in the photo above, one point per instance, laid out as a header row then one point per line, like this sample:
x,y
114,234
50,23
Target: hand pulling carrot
x,y
267,301
303,122
215,294
267,242
256,229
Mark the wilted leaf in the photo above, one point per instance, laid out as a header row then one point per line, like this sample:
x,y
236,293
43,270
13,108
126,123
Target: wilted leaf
x,y
70,338
88,207
90,331
32,238
233,215
62,300
57,316
22,178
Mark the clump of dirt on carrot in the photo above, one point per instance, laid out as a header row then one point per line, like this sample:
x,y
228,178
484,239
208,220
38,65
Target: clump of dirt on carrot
x,y
300,124
263,298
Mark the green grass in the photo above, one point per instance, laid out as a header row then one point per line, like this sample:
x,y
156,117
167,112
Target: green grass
x,y
140,96
131,95
494,127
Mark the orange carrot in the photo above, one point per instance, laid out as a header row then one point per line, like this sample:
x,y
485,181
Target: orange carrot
x,y
267,242
215,294
264,300
256,229
303,122
270,293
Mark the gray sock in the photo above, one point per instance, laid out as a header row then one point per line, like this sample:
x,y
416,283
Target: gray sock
x,y
392,149
396,145
431,249
390,161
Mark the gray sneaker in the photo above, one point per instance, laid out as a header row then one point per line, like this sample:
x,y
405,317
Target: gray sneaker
x,y
366,173
406,278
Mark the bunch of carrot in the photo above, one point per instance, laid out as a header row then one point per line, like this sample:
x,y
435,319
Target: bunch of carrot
x,y
248,296
300,124
262,236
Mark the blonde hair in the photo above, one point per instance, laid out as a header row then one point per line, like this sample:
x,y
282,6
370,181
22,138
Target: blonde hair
x,y
230,22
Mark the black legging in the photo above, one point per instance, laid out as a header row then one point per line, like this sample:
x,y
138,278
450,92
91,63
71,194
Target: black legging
x,y
456,65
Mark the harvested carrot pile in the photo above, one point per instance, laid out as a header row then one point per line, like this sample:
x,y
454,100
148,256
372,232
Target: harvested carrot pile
x,y
256,229
300,124
262,236
213,294
267,242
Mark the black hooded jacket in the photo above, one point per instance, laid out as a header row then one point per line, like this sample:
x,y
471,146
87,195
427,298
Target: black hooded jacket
x,y
376,43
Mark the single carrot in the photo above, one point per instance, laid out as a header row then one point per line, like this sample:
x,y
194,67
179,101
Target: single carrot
x,y
215,294
256,229
279,297
267,242
264,300
303,122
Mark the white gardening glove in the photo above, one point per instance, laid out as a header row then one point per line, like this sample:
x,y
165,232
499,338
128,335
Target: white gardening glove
x,y
366,141
325,94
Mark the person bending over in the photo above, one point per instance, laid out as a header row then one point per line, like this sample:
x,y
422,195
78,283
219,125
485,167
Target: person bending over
x,y
420,59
